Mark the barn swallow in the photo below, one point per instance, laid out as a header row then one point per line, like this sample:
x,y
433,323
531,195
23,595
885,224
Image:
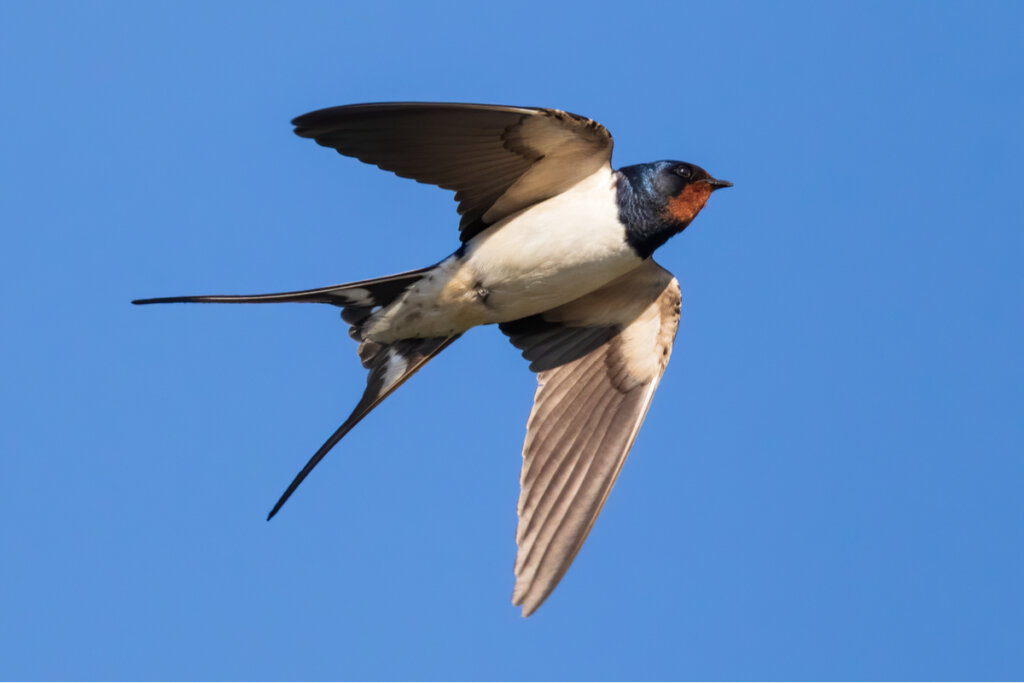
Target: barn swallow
x,y
556,250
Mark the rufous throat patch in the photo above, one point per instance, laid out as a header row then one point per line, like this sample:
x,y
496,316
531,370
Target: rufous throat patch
x,y
685,206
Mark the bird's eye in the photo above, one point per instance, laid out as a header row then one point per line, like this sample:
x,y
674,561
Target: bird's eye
x,y
683,172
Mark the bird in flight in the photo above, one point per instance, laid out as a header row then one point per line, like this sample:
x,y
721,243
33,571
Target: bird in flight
x,y
556,250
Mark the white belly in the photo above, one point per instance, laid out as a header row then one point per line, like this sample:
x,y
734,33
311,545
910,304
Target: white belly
x,y
532,261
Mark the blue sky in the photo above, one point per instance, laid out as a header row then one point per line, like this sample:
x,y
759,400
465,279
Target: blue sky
x,y
828,484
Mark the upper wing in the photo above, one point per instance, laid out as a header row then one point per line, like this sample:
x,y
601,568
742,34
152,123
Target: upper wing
x,y
599,359
497,159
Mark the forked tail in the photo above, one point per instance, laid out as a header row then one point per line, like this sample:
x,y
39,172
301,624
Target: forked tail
x,y
390,364
363,294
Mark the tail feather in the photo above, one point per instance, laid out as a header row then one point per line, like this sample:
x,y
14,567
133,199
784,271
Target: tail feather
x,y
363,294
390,364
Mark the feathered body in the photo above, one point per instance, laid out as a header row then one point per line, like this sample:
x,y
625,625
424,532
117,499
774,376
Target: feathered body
x,y
556,250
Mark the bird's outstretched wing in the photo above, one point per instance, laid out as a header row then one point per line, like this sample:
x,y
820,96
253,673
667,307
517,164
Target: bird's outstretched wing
x,y
598,359
497,159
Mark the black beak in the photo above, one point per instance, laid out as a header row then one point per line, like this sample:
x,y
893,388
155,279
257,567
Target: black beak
x,y
717,184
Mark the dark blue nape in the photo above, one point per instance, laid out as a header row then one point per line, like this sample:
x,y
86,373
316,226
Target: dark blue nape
x,y
642,205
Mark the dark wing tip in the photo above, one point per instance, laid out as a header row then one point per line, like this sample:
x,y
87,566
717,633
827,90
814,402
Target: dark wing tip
x,y
333,115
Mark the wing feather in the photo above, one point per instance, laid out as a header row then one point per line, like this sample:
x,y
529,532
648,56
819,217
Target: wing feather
x,y
599,360
498,159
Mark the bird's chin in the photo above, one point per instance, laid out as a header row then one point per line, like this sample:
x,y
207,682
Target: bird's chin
x,y
685,206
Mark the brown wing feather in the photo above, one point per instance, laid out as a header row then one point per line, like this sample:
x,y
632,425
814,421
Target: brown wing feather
x,y
498,159
589,405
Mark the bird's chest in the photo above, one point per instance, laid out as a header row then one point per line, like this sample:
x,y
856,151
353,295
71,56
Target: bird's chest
x,y
542,257
553,252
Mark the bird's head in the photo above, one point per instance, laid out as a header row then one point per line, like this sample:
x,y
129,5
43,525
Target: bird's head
x,y
684,188
658,200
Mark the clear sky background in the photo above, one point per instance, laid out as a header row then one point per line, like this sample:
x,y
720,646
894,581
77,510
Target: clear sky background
x,y
828,485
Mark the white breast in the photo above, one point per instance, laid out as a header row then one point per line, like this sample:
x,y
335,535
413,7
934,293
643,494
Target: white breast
x,y
553,252
541,257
